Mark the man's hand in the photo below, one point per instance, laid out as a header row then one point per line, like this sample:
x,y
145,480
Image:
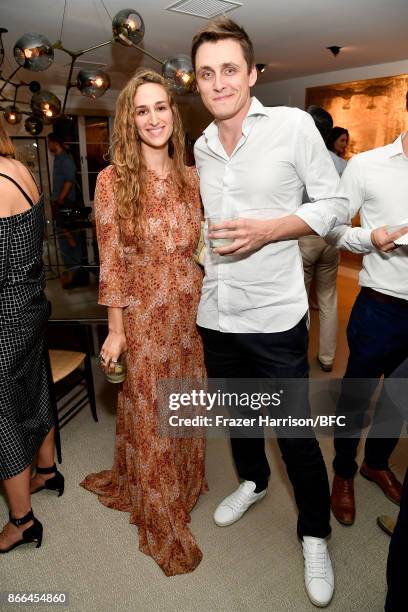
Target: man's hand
x,y
248,235
383,239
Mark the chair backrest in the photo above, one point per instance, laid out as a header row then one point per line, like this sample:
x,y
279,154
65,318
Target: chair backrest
x,y
69,336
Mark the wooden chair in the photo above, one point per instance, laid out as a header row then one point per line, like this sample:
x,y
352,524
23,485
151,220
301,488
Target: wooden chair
x,y
69,348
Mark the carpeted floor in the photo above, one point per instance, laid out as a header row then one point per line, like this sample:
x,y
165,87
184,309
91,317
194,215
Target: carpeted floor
x,y
91,552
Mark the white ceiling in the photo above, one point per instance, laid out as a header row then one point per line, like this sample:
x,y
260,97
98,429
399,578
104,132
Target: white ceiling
x,y
289,35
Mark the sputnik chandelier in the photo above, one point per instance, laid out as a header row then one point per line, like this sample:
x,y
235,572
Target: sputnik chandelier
x,y
34,52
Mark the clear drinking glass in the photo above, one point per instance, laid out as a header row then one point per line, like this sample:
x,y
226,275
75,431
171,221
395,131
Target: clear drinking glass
x,y
118,374
219,242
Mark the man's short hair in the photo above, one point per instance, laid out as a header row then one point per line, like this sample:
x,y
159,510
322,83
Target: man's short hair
x,y
221,29
54,137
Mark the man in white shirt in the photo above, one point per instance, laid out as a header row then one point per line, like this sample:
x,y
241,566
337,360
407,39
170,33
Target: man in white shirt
x,y
376,183
254,162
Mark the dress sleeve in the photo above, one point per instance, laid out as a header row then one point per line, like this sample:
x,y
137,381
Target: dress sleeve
x,y
112,276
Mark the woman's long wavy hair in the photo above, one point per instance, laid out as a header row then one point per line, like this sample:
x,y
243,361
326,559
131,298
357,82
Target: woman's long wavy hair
x,y
126,151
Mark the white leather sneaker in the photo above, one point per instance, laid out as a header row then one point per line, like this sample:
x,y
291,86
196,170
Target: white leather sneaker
x,y
235,505
319,579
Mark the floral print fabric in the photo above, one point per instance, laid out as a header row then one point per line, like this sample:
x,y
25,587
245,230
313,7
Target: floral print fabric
x,y
157,479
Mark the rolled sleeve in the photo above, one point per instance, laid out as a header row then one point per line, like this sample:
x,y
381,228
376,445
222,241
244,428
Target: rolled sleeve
x,y
328,204
354,239
112,277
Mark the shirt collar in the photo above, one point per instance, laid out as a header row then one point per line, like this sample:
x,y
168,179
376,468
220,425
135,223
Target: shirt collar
x,y
396,147
256,108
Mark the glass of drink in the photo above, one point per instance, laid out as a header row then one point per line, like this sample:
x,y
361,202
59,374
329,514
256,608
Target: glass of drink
x,y
118,373
219,242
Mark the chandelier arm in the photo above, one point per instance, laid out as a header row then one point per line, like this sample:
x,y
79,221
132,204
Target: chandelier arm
x,y
108,42
130,43
7,81
68,83
4,99
58,45
15,93
156,59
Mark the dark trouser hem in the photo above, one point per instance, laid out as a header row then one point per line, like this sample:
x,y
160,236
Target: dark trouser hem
x,y
377,454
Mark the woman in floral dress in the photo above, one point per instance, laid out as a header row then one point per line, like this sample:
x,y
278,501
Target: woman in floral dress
x,y
148,216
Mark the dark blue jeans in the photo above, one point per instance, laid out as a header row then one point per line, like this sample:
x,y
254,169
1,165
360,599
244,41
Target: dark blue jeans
x,y
276,356
377,336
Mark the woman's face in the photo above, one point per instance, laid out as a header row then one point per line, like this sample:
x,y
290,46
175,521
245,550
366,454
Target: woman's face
x,y
340,144
153,115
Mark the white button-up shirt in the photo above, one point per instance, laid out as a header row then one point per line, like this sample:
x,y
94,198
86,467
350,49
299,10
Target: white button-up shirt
x,y
279,153
376,183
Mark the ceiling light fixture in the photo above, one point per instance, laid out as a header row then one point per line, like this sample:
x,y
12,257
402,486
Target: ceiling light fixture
x,y
335,49
35,52
261,67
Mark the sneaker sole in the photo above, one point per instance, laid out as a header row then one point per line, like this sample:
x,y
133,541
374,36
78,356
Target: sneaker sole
x,y
228,523
317,603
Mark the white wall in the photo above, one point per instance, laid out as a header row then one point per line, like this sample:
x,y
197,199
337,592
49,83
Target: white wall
x,y
293,91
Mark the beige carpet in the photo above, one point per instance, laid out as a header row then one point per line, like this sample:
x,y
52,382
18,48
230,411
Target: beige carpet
x,y
92,553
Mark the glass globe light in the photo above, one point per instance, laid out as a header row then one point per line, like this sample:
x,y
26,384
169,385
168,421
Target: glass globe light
x,y
46,105
34,52
93,83
33,125
129,24
178,70
12,115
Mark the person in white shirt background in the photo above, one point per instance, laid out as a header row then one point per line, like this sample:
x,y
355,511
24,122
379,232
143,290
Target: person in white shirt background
x,y
376,182
321,262
255,161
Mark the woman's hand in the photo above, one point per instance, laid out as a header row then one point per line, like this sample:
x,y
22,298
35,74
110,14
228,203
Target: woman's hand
x,y
112,348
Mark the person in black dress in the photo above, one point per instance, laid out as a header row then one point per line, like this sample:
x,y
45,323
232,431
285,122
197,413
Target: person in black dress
x,y
26,416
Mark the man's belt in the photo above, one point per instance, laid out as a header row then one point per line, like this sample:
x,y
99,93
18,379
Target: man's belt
x,y
383,297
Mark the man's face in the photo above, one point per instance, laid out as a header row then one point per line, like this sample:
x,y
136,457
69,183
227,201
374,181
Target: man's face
x,y
52,147
222,77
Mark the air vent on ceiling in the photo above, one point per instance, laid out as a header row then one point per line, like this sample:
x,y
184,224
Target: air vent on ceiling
x,y
208,9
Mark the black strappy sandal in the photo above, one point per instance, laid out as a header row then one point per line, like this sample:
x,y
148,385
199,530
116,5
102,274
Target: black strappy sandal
x,y
34,533
56,483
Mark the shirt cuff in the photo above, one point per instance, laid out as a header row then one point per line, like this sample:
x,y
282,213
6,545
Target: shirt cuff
x,y
314,219
365,239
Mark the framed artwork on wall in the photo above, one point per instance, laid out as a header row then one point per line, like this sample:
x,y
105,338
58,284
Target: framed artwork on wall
x,y
374,111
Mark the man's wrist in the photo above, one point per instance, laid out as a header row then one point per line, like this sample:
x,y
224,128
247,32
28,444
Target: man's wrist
x,y
270,231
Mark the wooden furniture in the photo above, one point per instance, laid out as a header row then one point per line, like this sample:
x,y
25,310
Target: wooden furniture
x,y
70,348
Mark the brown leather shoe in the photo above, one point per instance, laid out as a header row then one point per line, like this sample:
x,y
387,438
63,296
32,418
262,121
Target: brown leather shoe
x,y
342,500
385,479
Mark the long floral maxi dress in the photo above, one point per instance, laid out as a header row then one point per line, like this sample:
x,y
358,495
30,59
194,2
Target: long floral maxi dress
x,y
157,282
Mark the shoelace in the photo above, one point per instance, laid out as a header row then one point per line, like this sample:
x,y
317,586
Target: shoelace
x,y
316,563
348,486
238,499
